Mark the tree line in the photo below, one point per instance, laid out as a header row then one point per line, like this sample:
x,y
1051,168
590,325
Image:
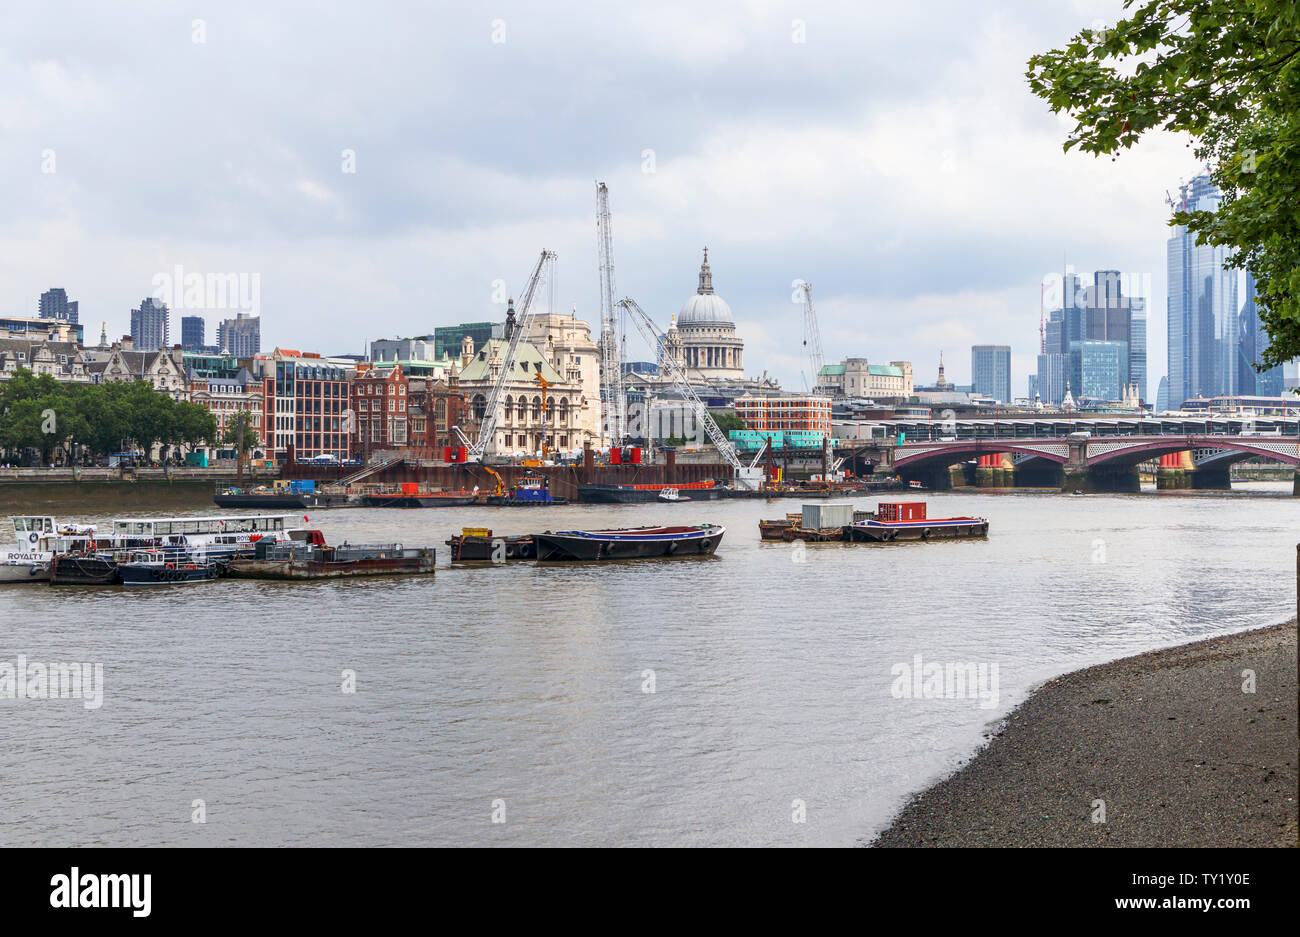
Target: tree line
x,y
42,414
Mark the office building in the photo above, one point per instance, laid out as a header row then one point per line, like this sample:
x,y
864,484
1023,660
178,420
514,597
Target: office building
x,y
241,336
1203,331
990,368
150,326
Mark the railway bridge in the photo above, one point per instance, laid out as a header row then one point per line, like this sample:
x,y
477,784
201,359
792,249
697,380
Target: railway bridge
x,y
1081,462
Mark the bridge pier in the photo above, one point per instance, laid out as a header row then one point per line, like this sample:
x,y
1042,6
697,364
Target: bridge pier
x,y
1212,478
1100,478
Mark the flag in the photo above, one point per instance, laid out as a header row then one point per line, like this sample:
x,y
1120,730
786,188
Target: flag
x,y
306,519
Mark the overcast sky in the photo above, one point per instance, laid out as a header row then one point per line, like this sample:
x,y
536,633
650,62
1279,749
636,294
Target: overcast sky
x,y
889,153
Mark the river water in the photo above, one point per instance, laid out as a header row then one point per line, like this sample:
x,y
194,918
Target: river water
x,y
523,694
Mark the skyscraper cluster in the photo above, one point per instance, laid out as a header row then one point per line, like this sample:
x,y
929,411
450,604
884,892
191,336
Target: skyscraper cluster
x,y
1094,344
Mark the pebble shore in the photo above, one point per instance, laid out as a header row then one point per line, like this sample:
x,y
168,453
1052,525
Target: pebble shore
x,y
1168,740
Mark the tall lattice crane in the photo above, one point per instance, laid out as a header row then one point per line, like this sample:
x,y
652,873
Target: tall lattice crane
x,y
613,399
812,338
521,320
746,476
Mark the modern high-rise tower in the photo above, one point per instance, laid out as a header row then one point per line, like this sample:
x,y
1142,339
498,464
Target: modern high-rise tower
x,y
1203,315
150,326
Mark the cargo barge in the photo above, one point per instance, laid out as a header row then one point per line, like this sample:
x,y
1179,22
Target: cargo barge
x,y
411,495
477,544
628,543
313,559
709,490
282,494
906,520
892,521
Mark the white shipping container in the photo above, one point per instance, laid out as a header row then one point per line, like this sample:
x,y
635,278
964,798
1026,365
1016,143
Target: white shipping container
x,y
821,516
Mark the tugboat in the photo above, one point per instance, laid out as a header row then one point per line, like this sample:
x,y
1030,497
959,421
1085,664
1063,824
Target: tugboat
x,y
628,543
165,568
410,495
475,544
529,491
905,520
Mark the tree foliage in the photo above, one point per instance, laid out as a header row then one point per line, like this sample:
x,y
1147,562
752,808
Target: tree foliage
x,y
38,412
1227,72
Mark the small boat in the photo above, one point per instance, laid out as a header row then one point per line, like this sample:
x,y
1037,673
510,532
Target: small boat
x,y
773,529
671,495
628,543
293,495
313,559
529,491
165,568
412,496
478,544
709,490
906,520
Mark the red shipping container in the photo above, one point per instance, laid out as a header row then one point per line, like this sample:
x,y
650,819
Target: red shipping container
x,y
410,488
615,455
890,511
446,453
462,455
636,455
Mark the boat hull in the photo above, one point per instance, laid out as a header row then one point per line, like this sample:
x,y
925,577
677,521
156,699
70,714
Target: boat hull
x,y
626,494
466,549
273,501
35,571
151,574
417,501
296,570
609,545
948,529
70,570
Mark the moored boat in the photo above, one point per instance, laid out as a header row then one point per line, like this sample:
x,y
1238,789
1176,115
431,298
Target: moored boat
x,y
529,491
413,496
84,569
628,543
906,520
709,490
475,544
165,568
282,494
313,559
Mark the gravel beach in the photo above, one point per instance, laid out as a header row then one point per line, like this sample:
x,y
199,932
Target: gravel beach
x,y
1178,752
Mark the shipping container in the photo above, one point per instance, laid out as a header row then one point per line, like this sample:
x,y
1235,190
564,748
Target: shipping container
x,y
889,511
822,516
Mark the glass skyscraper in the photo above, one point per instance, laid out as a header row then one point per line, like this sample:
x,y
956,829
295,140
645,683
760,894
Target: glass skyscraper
x,y
1203,315
990,371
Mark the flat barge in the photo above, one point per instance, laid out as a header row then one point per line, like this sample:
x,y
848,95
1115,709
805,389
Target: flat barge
x,y
412,496
476,544
709,490
628,543
299,560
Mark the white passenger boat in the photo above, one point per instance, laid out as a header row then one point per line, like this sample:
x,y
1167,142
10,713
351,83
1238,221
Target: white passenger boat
x,y
214,535
37,538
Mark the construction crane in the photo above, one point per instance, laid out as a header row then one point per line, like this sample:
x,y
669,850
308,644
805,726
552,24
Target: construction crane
x,y
746,476
521,321
612,396
812,339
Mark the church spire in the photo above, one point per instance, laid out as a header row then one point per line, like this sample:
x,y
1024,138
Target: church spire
x,y
706,276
